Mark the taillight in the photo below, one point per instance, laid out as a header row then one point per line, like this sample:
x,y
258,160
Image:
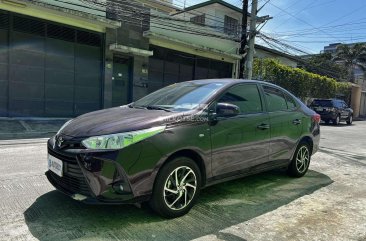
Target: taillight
x,y
316,118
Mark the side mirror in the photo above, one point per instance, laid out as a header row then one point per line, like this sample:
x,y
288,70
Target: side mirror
x,y
227,110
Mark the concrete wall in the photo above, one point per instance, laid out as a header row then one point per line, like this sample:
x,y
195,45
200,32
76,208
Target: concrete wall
x,y
356,100
129,34
214,43
215,15
260,53
363,104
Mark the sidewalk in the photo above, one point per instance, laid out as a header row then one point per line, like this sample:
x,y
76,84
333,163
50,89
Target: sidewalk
x,y
26,128
20,128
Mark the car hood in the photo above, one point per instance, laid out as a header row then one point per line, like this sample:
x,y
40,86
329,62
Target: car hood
x,y
116,120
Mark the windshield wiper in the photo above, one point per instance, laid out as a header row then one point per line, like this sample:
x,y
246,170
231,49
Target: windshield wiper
x,y
156,107
137,106
150,107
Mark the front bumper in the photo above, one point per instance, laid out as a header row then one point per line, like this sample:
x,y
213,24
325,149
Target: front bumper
x,y
92,177
328,116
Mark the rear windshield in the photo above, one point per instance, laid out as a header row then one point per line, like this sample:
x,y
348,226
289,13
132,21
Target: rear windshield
x,y
322,103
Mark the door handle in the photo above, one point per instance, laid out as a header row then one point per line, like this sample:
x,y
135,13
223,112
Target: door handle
x,y
263,126
296,122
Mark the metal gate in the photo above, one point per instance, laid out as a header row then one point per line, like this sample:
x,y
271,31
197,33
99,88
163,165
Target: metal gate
x,y
169,66
363,104
48,69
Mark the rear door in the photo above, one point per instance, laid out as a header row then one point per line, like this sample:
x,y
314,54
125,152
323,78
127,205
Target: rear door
x,y
285,120
237,142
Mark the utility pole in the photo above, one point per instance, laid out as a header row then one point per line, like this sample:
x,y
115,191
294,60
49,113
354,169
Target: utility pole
x,y
243,43
252,33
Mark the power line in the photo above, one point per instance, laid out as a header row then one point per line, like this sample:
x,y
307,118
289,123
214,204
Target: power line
x,y
301,20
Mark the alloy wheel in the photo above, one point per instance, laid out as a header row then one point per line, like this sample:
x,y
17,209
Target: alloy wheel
x,y
180,188
337,120
302,159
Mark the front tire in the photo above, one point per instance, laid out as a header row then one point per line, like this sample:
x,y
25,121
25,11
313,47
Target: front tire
x,y
176,188
337,120
300,162
350,120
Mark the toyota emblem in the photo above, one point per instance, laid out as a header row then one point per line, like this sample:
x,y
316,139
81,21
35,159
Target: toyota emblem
x,y
60,140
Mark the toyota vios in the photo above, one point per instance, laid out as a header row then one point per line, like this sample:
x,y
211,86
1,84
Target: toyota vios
x,y
164,148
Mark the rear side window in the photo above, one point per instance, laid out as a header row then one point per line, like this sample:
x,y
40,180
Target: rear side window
x,y
291,103
276,100
245,96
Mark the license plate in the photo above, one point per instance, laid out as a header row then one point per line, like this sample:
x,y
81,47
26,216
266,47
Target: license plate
x,y
55,165
319,109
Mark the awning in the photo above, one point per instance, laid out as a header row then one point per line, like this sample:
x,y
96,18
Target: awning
x,y
195,49
130,50
58,14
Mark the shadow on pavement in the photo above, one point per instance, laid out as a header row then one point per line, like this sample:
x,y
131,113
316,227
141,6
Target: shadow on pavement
x,y
55,216
12,129
340,125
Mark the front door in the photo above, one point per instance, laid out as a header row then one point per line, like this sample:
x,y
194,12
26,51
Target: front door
x,y
240,142
121,81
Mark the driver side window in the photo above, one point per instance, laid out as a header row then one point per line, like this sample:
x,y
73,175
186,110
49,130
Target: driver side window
x,y
245,96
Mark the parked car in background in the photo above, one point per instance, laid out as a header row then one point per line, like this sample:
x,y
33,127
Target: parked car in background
x,y
167,146
334,110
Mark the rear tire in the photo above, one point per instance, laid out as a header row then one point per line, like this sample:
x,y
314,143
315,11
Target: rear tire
x,y
326,122
350,120
176,188
301,161
337,120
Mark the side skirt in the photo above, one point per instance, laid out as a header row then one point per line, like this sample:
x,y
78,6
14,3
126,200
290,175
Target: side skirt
x,y
247,172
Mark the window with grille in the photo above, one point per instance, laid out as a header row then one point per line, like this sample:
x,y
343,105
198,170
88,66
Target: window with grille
x,y
200,19
231,25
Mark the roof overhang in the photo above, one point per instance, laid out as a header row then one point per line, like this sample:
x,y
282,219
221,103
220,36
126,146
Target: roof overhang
x,y
130,50
195,49
58,14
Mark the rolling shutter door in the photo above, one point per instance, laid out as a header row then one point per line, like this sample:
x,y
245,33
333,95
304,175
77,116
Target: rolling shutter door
x,y
51,70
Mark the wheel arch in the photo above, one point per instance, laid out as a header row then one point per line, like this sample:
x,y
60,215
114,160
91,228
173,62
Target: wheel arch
x,y
308,140
195,156
304,139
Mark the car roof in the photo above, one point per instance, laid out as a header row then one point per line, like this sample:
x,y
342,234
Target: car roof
x,y
329,99
226,81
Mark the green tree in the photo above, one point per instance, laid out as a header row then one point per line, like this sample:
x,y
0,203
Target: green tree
x,y
300,82
323,64
351,56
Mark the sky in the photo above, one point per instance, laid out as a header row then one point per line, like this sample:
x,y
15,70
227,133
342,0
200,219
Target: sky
x,y
309,25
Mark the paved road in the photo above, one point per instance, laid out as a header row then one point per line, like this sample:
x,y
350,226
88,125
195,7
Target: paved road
x,y
327,204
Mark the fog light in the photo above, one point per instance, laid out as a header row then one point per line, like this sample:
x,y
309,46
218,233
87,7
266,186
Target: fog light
x,y
121,188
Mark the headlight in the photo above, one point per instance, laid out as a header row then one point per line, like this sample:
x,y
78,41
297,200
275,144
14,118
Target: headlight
x,y
62,127
120,140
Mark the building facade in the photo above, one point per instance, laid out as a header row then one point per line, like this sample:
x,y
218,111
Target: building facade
x,y
51,59
66,58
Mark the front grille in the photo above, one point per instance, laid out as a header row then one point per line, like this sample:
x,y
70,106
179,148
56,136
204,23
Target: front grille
x,y
73,179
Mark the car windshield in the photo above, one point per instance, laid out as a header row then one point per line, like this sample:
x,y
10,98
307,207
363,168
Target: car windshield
x,y
179,97
322,103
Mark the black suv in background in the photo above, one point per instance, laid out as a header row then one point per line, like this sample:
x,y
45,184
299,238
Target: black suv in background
x,y
334,110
